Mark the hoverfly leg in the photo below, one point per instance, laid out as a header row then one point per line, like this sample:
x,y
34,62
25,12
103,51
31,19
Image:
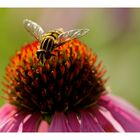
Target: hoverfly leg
x,y
40,55
48,55
57,51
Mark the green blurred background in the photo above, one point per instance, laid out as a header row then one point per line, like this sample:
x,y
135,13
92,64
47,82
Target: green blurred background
x,y
114,35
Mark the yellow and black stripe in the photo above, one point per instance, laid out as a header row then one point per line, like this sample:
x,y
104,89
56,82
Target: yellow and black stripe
x,y
48,43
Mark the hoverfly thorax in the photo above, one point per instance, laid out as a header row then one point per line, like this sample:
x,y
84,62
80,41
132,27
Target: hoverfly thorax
x,y
50,40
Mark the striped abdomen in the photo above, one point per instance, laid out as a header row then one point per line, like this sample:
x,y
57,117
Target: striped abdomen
x,y
48,43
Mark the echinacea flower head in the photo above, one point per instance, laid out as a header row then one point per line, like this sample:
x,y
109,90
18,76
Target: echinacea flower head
x,y
66,93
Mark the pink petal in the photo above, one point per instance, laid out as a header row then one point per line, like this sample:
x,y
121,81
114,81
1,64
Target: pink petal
x,y
123,104
12,120
13,123
6,111
88,123
32,124
73,122
103,121
43,127
59,123
122,112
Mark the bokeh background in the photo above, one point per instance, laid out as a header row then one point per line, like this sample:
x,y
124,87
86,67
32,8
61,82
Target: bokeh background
x,y
114,35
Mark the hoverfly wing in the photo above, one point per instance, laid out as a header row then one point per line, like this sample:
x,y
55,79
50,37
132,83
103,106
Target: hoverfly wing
x,y
34,29
72,34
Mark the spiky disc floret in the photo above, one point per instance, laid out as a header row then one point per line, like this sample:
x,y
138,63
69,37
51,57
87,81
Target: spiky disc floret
x,y
68,81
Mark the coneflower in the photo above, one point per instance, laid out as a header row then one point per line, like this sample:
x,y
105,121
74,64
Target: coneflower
x,y
64,94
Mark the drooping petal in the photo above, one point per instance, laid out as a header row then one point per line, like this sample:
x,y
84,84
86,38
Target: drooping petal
x,y
32,124
12,120
73,122
59,123
123,104
88,123
13,123
6,111
123,113
105,120
43,127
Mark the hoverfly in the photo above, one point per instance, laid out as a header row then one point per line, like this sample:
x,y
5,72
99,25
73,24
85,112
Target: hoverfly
x,y
52,39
